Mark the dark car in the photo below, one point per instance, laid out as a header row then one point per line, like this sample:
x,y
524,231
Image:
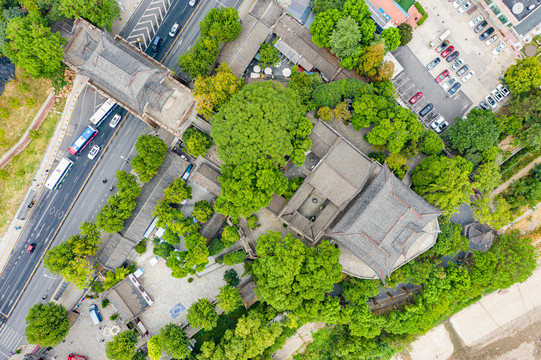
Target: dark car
x,y
426,109
481,26
433,63
486,34
447,51
462,70
156,43
453,56
442,76
454,89
442,46
484,105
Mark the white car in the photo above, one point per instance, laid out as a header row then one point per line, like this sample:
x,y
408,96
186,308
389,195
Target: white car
x,y
497,95
476,21
192,2
457,64
174,30
93,152
443,126
503,89
491,40
448,83
498,49
115,120
436,124
468,76
457,3
464,7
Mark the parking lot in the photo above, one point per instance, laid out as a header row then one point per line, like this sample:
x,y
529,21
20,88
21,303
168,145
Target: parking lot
x,y
476,54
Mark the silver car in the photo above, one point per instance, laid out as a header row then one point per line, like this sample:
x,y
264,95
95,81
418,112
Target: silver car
x,y
114,122
93,152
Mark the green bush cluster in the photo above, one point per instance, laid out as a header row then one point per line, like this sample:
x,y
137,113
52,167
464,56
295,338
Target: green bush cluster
x,y
233,258
216,246
141,247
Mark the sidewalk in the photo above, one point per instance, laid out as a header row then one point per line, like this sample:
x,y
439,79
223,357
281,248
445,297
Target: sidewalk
x,y
10,238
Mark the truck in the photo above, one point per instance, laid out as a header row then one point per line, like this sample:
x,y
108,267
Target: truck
x,y
442,37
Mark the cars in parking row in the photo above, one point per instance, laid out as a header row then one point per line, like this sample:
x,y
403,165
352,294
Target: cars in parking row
x,y
495,96
480,23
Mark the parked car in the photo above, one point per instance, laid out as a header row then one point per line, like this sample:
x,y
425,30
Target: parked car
x,y
448,83
426,110
462,70
416,97
457,64
468,76
486,34
498,49
480,26
436,123
174,29
490,101
442,46
464,7
503,89
454,89
457,3
433,63
447,51
442,127
491,40
30,248
453,56
93,152
484,105
115,120
476,21
442,76
497,95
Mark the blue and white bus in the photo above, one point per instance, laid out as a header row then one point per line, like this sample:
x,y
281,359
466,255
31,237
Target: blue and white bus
x,y
103,112
83,140
59,174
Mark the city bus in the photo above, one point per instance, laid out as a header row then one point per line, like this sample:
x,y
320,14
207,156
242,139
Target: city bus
x,y
102,112
83,140
59,174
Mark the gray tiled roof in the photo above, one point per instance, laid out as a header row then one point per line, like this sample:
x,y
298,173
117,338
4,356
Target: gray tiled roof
x,y
127,299
384,222
115,251
481,236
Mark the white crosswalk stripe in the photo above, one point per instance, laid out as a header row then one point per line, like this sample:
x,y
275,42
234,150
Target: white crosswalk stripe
x,y
149,23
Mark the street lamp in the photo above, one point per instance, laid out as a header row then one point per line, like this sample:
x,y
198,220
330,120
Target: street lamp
x,y
125,159
139,42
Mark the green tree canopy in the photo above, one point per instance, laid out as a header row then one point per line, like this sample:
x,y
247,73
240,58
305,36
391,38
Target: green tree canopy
x,y
510,259
57,258
151,151
432,144
250,126
497,215
78,272
370,58
443,182
197,143
392,38
323,26
268,55
345,38
319,6
211,92
289,274
230,235
33,47
177,192
450,240
223,24
86,243
172,340
406,33
478,132
202,211
229,298
488,177
46,324
202,314
102,13
524,75
199,59
122,347
304,84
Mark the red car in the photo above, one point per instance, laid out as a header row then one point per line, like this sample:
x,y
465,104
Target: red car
x,y
30,248
416,97
76,357
447,51
442,76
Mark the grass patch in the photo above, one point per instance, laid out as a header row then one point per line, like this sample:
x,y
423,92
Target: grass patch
x,y
422,20
420,8
19,104
406,4
16,177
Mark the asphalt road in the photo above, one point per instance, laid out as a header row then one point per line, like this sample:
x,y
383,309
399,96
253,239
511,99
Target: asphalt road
x,y
52,207
417,78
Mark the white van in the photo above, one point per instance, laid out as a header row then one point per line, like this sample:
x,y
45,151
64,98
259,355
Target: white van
x,y
95,314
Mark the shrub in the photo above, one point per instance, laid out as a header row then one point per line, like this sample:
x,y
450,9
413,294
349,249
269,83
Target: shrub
x,y
252,221
190,280
30,102
23,86
114,316
230,235
231,277
104,303
422,20
4,113
233,258
14,103
269,56
420,8
97,287
141,248
216,246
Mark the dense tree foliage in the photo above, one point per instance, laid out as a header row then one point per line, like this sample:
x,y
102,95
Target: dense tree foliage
x,y
432,144
524,75
345,38
304,84
443,182
496,215
33,47
319,6
57,258
406,33
223,24
46,324
197,143
102,13
202,211
450,240
122,347
230,235
525,191
151,151
120,206
231,277
392,38
488,177
202,314
289,275
86,243
171,340
478,132
268,55
7,14
229,298
198,60
211,92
